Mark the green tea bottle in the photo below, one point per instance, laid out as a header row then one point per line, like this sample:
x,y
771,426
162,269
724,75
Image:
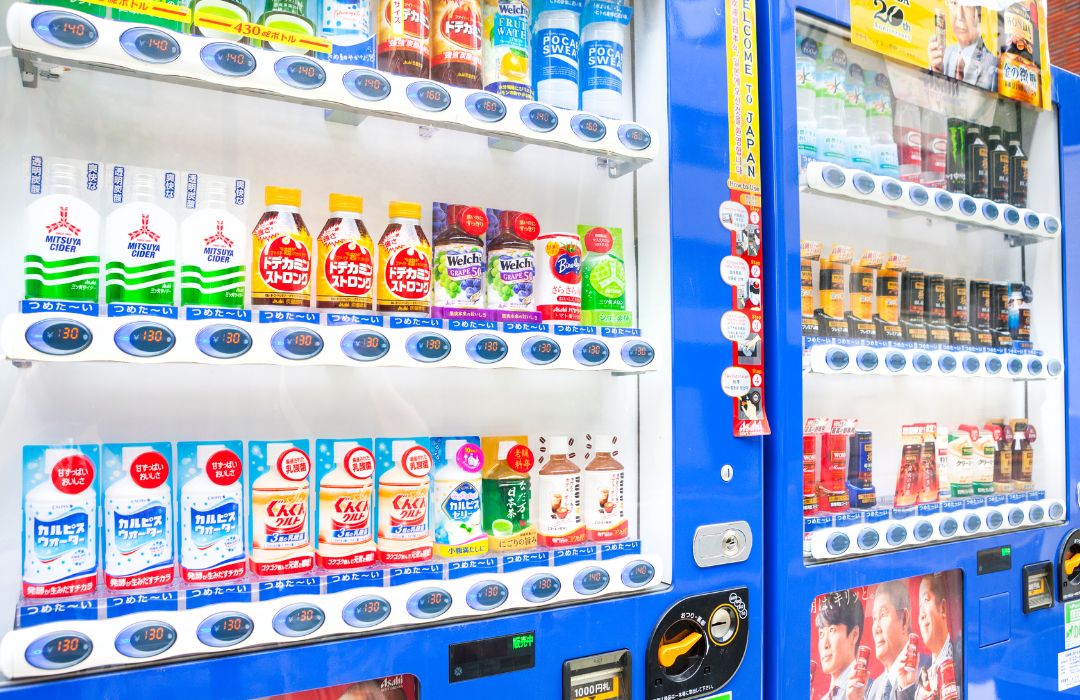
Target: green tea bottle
x,y
287,15
506,496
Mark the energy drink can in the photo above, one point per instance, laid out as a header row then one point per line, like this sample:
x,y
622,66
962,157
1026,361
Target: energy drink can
x,y
861,459
861,292
831,288
979,304
888,295
999,307
956,156
936,311
956,300
913,295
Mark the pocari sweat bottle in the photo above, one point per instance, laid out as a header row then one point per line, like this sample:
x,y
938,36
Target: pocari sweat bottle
x,y
603,38
556,44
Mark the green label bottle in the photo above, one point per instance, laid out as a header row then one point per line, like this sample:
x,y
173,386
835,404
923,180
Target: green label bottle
x,y
141,243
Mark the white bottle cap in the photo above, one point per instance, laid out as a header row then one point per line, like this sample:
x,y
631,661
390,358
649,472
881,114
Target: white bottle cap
x,y
400,448
55,454
558,445
504,448
203,453
603,443
452,447
274,450
341,450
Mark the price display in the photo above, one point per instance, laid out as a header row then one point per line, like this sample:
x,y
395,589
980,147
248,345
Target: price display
x,y
993,365
868,539
225,629
970,363
64,29
863,183
1035,366
895,361
922,531
972,523
539,118
365,346
223,341
967,206
296,343
58,336
492,656
591,580
1054,367
428,96
540,588
638,353
947,364
944,201
991,211
427,347
366,611
587,127
144,339
485,107
591,353
834,177
149,45
486,349
892,190
994,520
1036,513
486,595
298,620
366,85
1031,221
1051,225
229,60
428,603
145,639
948,526
637,574
1016,517
58,650
299,72
918,196
540,350
634,137
1011,216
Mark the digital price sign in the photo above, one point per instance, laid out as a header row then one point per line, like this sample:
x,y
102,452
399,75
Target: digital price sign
x,y
638,353
58,650
486,595
365,346
428,96
223,341
225,629
486,349
492,656
300,73
539,118
637,574
591,353
142,339
588,127
540,350
485,107
634,137
145,639
366,85
229,60
64,29
149,45
366,611
58,336
591,580
296,343
429,603
541,588
298,620
427,347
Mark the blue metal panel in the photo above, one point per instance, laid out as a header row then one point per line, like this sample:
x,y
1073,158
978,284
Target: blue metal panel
x,y
1025,666
703,442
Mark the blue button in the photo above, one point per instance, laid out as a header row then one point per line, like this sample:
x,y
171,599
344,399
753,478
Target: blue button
x,y
486,349
1016,517
634,137
58,650
365,346
948,527
892,189
428,96
367,85
427,347
972,523
994,520
429,603
947,363
223,341
993,364
1011,216
837,359
227,59
1036,513
895,361
863,183
637,574
143,339
591,580
540,350
486,595
149,45
866,360
637,353
225,629
296,343
64,29
366,611
922,362
298,620
837,543
540,588
991,211
1056,511
896,535
967,206
587,127
918,195
143,640
300,73
1035,367
591,353
922,531
485,107
868,539
539,118
833,176
943,201
58,336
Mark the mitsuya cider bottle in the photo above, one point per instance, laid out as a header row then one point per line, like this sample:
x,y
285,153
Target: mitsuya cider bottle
x,y
346,537
213,254
141,248
280,521
281,253
404,527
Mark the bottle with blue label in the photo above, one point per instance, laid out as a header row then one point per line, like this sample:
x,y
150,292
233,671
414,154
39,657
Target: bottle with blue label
x,y
831,102
212,541
556,45
138,508
603,39
347,24
458,526
59,520
806,58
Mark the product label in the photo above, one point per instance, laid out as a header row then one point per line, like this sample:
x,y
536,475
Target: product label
x,y
60,263
213,277
134,531
346,271
603,504
57,537
210,526
832,146
142,270
510,276
407,518
286,520
457,36
281,256
603,65
559,295
859,154
458,531
406,25
459,275
555,54
506,48
404,278
910,142
349,517
559,505
348,26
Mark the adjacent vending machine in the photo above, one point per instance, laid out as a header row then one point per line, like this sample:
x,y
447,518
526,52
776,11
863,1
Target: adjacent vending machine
x,y
921,263
368,349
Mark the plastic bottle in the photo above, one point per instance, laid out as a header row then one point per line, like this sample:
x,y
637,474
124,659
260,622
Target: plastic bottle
x,y
60,555
603,39
506,496
346,536
879,118
281,252
559,522
556,45
213,254
558,277
935,136
907,478
345,271
212,541
830,104
294,16
404,525
404,277
506,48
280,516
603,279
139,521
63,246
806,59
859,151
511,268
348,25
404,38
907,118
459,261
1018,172
603,501
999,165
221,14
977,160
456,43
458,519
141,249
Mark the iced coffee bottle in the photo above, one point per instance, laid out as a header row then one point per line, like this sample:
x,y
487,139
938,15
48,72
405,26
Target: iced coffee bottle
x,y
603,504
558,521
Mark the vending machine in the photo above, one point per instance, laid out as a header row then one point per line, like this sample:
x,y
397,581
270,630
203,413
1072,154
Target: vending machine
x,y
367,349
921,267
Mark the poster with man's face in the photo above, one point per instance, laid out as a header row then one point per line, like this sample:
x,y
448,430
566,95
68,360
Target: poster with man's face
x,y
898,640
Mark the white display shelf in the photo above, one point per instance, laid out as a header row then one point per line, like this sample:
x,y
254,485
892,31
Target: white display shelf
x,y
56,334
163,626
47,37
861,533
1018,226
823,356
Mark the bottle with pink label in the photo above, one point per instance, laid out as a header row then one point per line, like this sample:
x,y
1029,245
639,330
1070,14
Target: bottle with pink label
x,y
280,519
404,494
907,119
603,500
558,277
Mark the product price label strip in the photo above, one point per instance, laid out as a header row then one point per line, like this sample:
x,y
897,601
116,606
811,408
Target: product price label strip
x,y
153,8
744,380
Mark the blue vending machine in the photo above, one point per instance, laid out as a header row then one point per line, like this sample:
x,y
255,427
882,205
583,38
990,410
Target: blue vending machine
x,y
467,438
922,263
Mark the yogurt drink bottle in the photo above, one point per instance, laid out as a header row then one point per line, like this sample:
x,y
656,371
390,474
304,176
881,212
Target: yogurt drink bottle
x,y
138,519
280,520
212,542
458,525
404,525
346,536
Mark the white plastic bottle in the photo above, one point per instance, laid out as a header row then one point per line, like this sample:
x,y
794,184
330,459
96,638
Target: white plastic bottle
x,y
458,523
603,38
346,535
830,104
213,254
879,118
858,139
404,525
60,530
806,59
63,246
139,522
907,119
212,542
556,44
141,247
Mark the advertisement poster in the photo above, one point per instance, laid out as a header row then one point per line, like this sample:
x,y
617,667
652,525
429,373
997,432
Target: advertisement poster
x,y
996,45
401,687
898,640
